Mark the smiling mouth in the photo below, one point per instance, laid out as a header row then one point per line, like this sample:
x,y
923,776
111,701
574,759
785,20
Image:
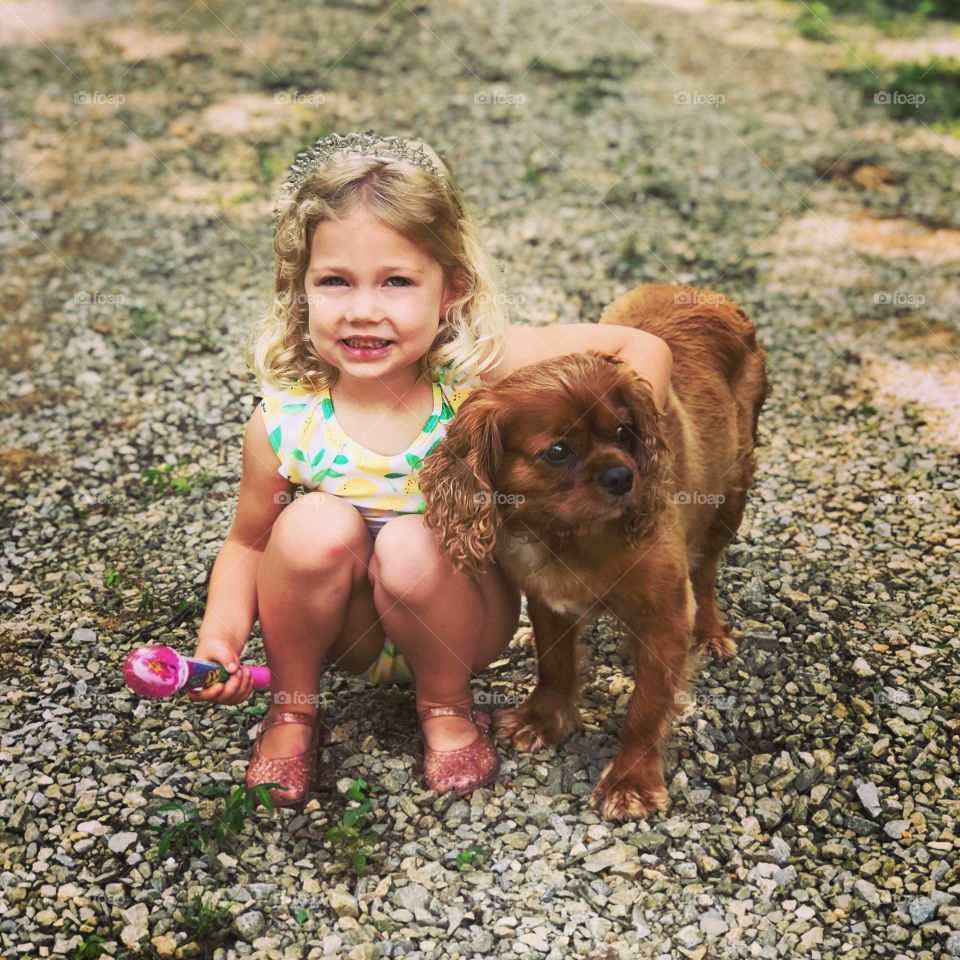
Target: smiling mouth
x,y
365,343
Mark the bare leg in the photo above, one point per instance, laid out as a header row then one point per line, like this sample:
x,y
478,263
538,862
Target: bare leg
x,y
447,625
314,599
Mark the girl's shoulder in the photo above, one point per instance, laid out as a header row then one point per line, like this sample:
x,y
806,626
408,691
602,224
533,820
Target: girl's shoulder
x,y
298,390
287,411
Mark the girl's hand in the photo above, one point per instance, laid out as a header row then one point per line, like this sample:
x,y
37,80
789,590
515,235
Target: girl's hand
x,y
240,684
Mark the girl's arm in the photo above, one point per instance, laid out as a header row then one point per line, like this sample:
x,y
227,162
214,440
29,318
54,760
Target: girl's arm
x,y
232,598
647,353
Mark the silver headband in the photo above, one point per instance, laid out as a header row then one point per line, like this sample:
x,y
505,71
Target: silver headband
x,y
330,149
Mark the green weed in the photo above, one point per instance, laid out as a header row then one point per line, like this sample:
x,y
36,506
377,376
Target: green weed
x,y
90,949
468,857
353,835
206,922
176,478
194,833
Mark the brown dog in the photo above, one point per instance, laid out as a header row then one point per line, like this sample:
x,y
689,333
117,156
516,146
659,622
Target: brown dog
x,y
595,503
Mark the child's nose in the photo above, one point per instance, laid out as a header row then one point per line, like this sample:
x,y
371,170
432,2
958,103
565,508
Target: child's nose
x,y
363,303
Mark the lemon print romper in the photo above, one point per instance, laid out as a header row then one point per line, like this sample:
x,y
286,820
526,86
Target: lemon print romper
x,y
314,451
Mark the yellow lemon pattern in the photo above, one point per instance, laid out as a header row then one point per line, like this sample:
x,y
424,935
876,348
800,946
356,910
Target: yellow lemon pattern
x,y
314,450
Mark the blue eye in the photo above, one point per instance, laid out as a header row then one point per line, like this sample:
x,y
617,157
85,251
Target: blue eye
x,y
403,280
323,282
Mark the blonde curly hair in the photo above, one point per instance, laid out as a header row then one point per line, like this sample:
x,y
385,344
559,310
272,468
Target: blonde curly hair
x,y
431,214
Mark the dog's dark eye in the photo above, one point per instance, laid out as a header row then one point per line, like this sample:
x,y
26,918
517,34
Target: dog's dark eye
x,y
557,452
623,434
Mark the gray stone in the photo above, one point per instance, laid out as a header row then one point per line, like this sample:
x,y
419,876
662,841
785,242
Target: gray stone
x,y
120,841
769,811
610,856
870,798
867,891
895,828
482,943
689,936
712,925
249,925
648,842
861,668
415,898
676,827
343,904
921,909
807,778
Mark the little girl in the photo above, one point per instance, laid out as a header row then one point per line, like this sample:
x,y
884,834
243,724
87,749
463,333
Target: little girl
x,y
386,315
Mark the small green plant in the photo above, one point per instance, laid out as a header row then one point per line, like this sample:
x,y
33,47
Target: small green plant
x,y
206,922
601,66
353,835
493,72
205,342
254,711
143,319
167,476
301,916
90,949
194,833
112,580
147,603
814,20
466,858
271,161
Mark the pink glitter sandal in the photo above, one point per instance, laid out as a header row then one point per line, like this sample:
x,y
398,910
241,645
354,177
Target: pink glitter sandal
x,y
296,773
466,768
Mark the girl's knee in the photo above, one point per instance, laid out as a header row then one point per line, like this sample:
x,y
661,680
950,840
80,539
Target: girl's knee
x,y
406,563
319,532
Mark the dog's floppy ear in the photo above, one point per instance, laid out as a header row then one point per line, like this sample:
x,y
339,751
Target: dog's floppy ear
x,y
457,481
651,452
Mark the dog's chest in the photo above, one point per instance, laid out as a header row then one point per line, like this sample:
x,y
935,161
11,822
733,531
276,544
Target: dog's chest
x,y
533,568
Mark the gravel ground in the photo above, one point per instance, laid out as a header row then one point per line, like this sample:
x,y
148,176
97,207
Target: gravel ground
x,y
813,783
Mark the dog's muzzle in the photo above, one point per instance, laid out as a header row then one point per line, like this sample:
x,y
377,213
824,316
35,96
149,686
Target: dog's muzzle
x,y
616,480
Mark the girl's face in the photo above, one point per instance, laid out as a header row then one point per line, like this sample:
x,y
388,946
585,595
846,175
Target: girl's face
x,y
374,298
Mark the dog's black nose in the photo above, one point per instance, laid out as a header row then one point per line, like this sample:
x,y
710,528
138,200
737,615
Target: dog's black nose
x,y
616,480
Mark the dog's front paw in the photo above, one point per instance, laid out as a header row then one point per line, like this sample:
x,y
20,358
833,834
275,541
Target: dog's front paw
x,y
539,722
626,792
718,644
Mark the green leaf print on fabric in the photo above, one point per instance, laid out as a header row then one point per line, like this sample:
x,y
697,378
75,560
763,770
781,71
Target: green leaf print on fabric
x,y
446,411
326,405
431,423
275,438
340,458
293,407
298,454
433,446
414,461
395,476
317,458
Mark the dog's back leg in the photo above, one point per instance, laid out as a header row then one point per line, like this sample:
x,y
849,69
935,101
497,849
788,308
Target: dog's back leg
x,y
710,633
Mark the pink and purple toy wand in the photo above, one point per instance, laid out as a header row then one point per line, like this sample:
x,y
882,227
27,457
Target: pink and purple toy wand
x,y
158,671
